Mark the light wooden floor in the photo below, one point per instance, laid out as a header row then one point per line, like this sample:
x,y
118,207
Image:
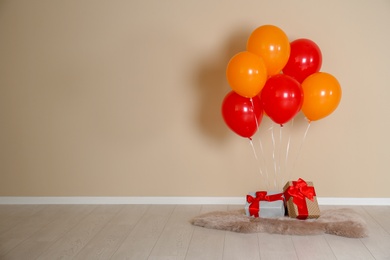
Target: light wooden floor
x,y
163,232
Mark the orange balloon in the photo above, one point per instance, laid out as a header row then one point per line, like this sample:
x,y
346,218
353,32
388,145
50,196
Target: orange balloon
x,y
272,44
322,95
246,74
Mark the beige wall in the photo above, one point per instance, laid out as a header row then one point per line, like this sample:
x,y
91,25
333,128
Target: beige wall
x,y
122,98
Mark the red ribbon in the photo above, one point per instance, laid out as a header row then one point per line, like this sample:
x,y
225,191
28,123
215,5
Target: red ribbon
x,y
254,207
300,191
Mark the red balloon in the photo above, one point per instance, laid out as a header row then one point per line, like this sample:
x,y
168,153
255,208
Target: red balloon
x,y
305,59
242,115
282,98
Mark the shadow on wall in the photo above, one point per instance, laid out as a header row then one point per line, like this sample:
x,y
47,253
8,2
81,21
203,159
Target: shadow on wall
x,y
212,86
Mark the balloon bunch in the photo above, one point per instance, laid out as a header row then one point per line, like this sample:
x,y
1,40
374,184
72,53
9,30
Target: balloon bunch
x,y
278,78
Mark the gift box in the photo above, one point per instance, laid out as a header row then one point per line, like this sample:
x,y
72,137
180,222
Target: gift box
x,y
264,205
301,199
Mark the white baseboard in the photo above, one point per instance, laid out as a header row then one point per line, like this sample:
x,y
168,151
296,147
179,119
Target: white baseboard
x,y
177,200
354,201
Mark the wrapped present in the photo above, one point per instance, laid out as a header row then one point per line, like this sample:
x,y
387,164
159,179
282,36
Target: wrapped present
x,y
261,204
301,199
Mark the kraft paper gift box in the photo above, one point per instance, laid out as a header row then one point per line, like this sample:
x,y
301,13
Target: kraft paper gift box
x,y
264,205
301,199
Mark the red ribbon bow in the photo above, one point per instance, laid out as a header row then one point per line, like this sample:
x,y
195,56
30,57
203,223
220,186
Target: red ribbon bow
x,y
300,191
254,207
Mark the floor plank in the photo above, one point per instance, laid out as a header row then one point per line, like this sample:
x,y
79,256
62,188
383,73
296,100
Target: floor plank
x,y
381,214
110,238
372,225
23,230
12,215
73,241
68,216
141,240
175,238
379,246
348,248
207,243
274,246
240,246
157,232
378,242
312,247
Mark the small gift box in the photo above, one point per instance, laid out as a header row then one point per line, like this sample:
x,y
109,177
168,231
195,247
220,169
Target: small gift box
x,y
301,199
261,204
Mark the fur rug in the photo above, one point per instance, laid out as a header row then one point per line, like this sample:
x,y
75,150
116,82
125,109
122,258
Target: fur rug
x,y
341,222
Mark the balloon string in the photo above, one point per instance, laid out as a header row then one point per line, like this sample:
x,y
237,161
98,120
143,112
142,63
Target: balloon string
x,y
280,153
264,163
254,114
273,154
288,151
253,149
300,148
257,159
